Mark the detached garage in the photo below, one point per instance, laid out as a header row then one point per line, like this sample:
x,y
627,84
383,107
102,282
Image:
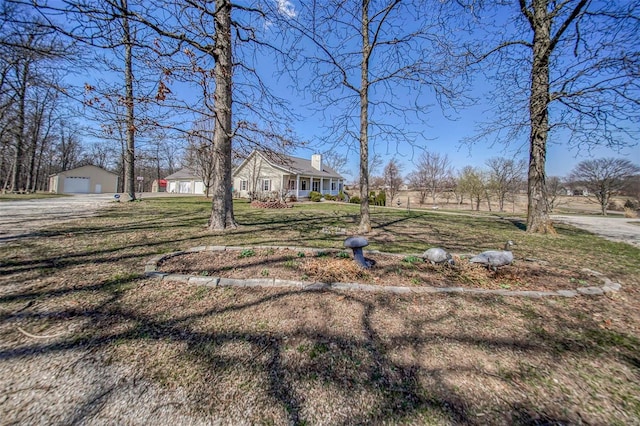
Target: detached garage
x,y
84,180
185,181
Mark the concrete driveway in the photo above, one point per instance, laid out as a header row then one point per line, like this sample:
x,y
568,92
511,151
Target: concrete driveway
x,y
23,218
612,228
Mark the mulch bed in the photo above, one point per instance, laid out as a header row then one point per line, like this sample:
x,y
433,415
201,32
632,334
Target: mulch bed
x,y
389,270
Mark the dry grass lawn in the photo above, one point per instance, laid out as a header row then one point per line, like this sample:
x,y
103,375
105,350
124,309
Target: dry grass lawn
x,y
263,356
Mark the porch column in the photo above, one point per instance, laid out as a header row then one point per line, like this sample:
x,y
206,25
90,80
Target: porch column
x,y
331,186
310,183
297,186
321,185
282,187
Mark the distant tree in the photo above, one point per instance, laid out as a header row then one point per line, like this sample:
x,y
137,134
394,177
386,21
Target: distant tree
x,y
200,154
432,172
554,188
392,180
376,182
335,161
604,177
633,187
471,183
505,177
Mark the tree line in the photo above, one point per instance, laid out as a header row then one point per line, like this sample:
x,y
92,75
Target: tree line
x,y
502,180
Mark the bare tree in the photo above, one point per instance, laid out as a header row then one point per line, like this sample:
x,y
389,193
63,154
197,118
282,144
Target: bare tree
x,y
604,177
471,183
335,161
432,172
392,180
554,189
371,60
200,154
505,176
28,75
572,63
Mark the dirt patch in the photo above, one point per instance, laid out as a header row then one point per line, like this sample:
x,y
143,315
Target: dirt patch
x,y
388,270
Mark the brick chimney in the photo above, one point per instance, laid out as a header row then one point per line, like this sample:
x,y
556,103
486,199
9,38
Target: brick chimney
x,y
316,162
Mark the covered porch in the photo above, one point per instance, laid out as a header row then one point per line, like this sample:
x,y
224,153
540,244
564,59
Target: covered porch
x,y
301,186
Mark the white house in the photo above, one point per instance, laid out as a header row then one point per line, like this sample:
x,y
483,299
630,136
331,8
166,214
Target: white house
x,y
185,181
260,173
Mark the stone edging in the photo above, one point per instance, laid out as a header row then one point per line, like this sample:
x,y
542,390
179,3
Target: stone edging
x,y
151,270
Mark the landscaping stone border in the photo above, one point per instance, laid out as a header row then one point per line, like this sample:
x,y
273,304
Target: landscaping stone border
x,y
151,270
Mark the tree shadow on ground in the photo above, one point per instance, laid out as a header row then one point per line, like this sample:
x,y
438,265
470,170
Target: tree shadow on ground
x,y
362,359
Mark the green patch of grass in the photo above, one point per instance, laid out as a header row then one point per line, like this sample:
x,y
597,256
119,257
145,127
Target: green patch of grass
x,y
290,263
247,253
31,196
412,259
343,255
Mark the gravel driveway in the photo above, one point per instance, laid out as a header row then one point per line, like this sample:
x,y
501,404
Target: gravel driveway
x,y
611,228
23,218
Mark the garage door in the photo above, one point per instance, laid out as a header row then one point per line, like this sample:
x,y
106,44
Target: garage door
x,y
76,185
199,188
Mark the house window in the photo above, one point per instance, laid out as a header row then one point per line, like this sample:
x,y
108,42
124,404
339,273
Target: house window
x,y
316,186
266,185
333,186
292,184
303,185
243,185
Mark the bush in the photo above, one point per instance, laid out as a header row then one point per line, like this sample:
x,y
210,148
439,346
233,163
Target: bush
x,y
315,196
329,197
340,196
615,206
631,205
355,200
381,199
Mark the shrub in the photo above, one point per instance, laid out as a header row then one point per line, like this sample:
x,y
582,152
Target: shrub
x,y
340,196
315,196
292,198
615,205
629,204
329,197
381,199
355,200
630,213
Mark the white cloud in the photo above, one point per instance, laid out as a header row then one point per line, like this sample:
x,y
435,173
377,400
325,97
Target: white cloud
x,y
286,8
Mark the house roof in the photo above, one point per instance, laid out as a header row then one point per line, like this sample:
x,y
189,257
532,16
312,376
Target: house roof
x,y
295,165
87,166
185,173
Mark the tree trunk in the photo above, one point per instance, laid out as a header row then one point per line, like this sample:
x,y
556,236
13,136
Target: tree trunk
x,y
33,148
130,154
365,219
222,197
19,134
538,220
